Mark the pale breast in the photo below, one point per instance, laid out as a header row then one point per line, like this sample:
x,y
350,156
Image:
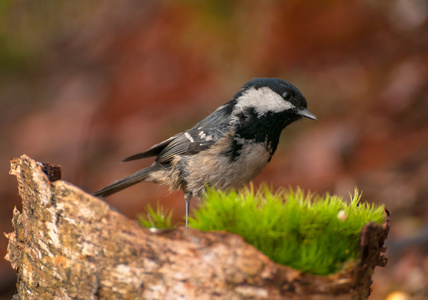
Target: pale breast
x,y
219,171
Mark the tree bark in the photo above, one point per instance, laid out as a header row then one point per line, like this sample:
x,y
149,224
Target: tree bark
x,y
69,244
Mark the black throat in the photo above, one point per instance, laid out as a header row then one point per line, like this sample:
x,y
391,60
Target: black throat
x,y
265,129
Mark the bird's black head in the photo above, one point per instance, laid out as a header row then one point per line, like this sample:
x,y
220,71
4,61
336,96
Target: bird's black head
x,y
273,95
264,106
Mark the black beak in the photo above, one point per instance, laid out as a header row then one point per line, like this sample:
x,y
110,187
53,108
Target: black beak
x,y
307,114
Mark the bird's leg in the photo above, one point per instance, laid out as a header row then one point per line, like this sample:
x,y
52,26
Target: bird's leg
x,y
187,198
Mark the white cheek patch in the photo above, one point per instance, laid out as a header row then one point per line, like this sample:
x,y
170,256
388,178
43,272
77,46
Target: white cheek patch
x,y
263,100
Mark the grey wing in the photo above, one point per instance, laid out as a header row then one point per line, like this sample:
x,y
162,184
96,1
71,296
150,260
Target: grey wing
x,y
189,143
155,150
201,137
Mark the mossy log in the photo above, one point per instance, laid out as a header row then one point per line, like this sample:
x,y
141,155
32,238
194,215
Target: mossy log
x,y
68,244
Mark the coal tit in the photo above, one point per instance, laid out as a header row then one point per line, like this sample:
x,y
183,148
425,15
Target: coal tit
x,y
228,148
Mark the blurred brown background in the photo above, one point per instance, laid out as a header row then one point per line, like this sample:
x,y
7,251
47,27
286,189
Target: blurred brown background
x,y
85,83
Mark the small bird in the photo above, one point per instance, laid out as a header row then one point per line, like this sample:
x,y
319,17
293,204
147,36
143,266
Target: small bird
x,y
228,148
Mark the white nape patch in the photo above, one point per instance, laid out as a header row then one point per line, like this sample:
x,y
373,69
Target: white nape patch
x,y
263,100
189,137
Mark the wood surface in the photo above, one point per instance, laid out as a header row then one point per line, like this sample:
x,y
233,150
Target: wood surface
x,y
68,244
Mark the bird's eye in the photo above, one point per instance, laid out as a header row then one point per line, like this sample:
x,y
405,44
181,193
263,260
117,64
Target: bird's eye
x,y
286,95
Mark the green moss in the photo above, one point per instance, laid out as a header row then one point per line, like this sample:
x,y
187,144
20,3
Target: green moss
x,y
314,234
159,218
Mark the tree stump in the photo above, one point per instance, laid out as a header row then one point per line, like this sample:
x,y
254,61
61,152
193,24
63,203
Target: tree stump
x,y
69,244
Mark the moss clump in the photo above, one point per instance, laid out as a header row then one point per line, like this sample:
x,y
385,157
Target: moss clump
x,y
312,233
159,218
308,232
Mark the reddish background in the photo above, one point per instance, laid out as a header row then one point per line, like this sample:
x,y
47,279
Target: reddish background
x,y
85,84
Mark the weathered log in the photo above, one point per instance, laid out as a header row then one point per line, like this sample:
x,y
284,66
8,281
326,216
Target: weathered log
x,y
69,244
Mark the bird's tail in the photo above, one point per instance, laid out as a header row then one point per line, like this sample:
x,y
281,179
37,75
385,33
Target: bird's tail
x,y
123,183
